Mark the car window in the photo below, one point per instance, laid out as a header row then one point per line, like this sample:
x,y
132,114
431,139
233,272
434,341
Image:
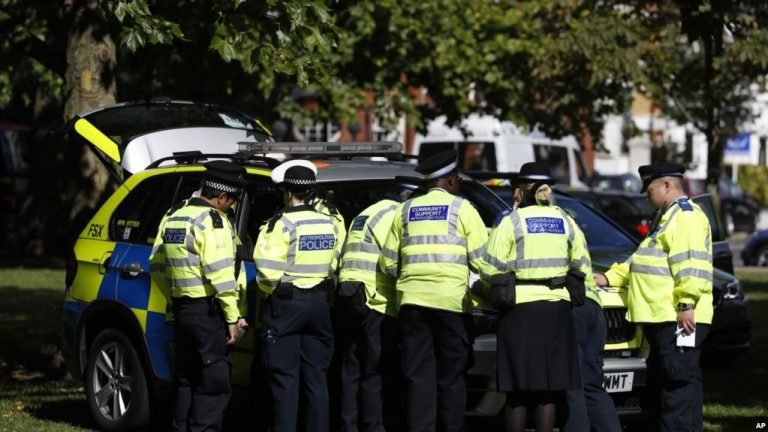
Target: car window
x,y
488,204
137,217
616,207
260,203
557,159
599,231
581,168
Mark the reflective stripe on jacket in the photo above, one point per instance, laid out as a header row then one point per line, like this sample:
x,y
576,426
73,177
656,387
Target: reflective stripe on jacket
x,y
672,265
196,257
433,241
538,242
360,258
300,248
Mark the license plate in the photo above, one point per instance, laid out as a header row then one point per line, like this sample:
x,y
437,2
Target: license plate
x,y
618,382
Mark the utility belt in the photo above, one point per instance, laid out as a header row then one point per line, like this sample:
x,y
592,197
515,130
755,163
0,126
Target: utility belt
x,y
286,291
214,307
504,288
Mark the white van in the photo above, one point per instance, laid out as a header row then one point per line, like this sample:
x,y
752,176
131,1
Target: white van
x,y
494,145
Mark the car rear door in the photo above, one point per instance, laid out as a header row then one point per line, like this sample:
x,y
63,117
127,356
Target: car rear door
x,y
129,137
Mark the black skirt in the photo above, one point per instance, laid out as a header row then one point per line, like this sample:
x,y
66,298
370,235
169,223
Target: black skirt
x,y
536,348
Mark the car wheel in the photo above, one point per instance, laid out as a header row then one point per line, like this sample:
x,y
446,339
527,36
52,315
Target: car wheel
x,y
761,257
730,227
115,383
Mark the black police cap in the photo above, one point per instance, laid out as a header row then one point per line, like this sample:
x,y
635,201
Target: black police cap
x,y
438,165
649,173
224,176
299,178
534,172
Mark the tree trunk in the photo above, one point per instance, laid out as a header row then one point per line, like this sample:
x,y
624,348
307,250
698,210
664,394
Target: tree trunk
x,y
713,133
90,83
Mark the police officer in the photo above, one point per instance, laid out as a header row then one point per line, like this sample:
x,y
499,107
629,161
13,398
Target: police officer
x,y
670,293
434,240
369,304
295,256
539,251
590,408
193,256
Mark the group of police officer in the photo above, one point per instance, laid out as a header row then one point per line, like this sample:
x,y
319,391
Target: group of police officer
x,y
399,278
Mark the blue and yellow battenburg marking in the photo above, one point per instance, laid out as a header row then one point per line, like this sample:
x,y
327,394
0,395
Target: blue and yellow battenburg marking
x,y
100,278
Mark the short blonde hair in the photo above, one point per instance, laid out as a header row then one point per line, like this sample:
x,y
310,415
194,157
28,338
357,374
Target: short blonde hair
x,y
543,194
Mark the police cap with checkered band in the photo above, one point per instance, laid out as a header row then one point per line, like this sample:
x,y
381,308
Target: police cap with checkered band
x,y
295,175
224,176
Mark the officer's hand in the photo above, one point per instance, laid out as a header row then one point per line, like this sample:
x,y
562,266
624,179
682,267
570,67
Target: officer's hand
x,y
686,322
242,324
600,279
232,334
477,289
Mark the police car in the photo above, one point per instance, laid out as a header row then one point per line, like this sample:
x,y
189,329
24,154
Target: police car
x,y
115,332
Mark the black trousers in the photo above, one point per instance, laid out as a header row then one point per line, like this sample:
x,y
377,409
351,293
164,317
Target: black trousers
x,y
202,365
591,408
298,345
674,375
436,354
370,374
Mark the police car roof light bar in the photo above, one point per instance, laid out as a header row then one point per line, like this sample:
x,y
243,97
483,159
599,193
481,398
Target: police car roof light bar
x,y
195,156
342,149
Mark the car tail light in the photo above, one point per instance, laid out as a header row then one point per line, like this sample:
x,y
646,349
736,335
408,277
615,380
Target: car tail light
x,y
642,227
71,270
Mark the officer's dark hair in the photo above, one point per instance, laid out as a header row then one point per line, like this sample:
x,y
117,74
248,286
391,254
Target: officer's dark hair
x,y
301,194
210,193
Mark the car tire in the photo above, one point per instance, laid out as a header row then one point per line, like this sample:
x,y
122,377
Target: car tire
x,y
730,226
761,257
115,383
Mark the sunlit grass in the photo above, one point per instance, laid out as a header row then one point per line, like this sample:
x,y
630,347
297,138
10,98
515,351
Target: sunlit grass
x,y
736,396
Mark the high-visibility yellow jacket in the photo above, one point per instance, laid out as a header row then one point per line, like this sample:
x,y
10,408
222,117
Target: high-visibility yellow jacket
x,y
434,238
360,257
538,242
672,265
299,246
193,256
329,209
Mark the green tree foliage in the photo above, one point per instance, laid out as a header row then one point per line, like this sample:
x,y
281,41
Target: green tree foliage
x,y
559,66
705,62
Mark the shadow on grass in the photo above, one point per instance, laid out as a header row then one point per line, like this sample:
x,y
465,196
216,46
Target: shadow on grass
x,y
51,401
72,412
30,323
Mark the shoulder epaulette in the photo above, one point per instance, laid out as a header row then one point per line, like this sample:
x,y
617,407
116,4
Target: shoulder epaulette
x,y
501,217
218,222
685,205
176,206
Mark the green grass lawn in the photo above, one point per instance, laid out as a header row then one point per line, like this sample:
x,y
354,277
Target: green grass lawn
x,y
736,396
30,321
